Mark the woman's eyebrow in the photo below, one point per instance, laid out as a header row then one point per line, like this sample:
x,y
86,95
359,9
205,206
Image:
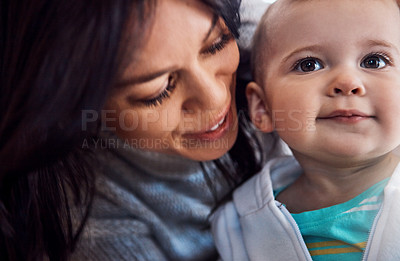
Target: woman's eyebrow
x,y
144,78
154,75
212,27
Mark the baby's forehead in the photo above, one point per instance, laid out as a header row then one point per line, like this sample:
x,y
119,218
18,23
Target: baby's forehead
x,y
271,20
284,9
277,12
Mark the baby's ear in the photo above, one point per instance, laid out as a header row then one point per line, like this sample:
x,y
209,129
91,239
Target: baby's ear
x,y
258,109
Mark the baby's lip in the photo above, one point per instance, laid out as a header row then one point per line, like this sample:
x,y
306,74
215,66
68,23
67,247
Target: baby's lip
x,y
345,114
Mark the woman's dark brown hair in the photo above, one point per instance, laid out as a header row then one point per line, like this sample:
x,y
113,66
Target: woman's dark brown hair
x,y
58,59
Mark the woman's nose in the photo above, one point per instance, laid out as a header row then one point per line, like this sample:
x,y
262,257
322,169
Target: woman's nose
x,y
205,90
345,85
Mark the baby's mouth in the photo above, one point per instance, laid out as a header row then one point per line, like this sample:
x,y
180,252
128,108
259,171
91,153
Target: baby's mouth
x,y
347,116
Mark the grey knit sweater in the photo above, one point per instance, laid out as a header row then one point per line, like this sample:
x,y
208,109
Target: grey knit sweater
x,y
150,206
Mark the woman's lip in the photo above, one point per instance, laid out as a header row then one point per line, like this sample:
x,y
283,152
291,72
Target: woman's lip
x,y
218,119
217,125
212,133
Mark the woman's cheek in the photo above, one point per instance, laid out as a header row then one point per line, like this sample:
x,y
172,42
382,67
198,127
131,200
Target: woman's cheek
x,y
231,59
235,57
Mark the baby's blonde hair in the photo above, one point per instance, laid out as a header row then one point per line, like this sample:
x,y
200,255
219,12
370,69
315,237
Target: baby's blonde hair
x,y
260,46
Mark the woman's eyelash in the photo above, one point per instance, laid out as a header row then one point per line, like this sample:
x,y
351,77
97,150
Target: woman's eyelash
x,y
218,46
164,95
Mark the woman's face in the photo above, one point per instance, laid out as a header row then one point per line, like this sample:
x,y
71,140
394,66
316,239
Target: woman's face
x,y
178,98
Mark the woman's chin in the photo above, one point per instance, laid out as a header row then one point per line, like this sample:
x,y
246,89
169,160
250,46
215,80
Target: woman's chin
x,y
204,155
206,150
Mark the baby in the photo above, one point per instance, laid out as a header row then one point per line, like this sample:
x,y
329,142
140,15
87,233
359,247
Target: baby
x,y
327,80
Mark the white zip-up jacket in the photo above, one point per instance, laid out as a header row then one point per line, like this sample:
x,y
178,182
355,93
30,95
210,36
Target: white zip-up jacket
x,y
254,226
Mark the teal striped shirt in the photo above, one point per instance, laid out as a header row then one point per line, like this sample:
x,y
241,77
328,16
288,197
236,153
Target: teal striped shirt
x,y
340,232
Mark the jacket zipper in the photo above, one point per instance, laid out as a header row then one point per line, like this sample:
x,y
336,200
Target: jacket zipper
x,y
371,234
296,228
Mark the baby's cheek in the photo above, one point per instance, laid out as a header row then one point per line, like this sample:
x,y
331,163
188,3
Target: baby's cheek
x,y
289,121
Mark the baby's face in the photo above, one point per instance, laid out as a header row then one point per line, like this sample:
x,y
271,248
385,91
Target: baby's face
x,y
333,81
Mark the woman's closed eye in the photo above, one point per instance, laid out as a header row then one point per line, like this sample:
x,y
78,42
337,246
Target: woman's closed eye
x,y
375,61
219,44
165,94
309,64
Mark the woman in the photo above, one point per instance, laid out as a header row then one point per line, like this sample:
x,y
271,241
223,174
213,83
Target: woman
x,y
166,83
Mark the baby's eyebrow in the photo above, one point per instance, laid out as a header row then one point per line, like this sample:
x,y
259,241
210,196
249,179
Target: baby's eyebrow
x,y
372,42
311,48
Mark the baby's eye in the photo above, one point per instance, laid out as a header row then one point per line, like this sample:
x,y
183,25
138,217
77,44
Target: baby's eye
x,y
374,61
308,65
